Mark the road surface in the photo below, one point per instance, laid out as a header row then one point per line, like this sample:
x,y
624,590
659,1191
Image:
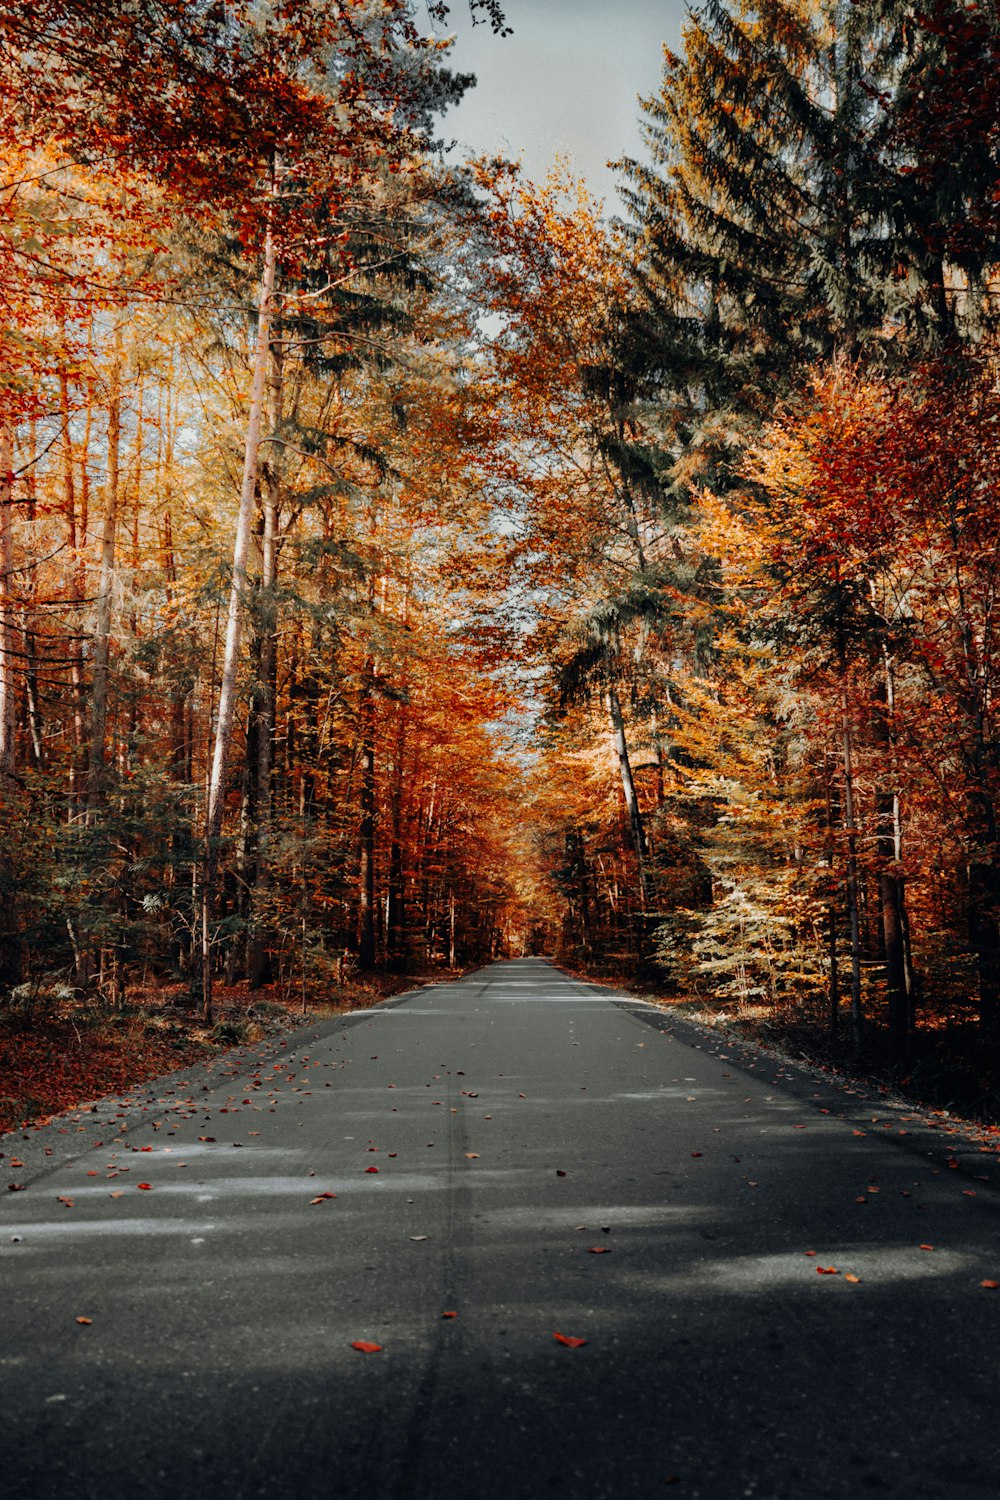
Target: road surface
x,y
525,1152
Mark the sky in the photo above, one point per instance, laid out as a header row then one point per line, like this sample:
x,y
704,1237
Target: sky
x,y
567,81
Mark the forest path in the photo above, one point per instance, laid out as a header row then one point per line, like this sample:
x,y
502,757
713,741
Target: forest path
x,y
502,1112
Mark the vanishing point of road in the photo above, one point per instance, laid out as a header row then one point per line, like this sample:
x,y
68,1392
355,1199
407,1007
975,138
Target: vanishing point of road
x,y
458,1177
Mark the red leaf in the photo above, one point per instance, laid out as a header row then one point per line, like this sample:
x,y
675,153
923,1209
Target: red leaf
x,y
991,1286
371,1169
695,1153
449,1315
569,1340
364,1347
144,1187
927,1247
827,1271
599,1250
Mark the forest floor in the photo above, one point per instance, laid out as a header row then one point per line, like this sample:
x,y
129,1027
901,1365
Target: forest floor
x,y
74,1051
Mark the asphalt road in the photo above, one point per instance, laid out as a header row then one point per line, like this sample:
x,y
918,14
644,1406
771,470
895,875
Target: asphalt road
x,y
481,1140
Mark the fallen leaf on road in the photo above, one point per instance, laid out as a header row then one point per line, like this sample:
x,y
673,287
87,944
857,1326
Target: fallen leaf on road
x,y
695,1153
68,1201
322,1198
144,1187
599,1250
560,1173
206,1138
854,1280
809,1252
827,1271
418,1237
927,1247
85,1320
449,1315
991,1286
472,1155
371,1169
116,1194
364,1347
569,1340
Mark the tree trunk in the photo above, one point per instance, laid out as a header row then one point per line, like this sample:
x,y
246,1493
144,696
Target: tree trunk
x,y
105,590
8,641
265,689
216,797
853,911
636,826
366,828
76,540
395,925
888,839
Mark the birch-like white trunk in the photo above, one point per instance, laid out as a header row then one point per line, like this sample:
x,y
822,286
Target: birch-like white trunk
x,y
216,798
244,521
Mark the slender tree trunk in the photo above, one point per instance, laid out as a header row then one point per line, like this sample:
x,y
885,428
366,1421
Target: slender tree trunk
x,y
831,915
366,829
636,826
215,802
851,832
8,634
891,888
11,955
264,708
76,541
105,592
396,896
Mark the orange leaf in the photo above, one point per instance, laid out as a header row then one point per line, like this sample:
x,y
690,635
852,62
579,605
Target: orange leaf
x,y
144,1187
85,1320
364,1347
991,1286
827,1271
116,1194
322,1197
68,1201
472,1155
569,1340
599,1250
927,1247
854,1280
449,1315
